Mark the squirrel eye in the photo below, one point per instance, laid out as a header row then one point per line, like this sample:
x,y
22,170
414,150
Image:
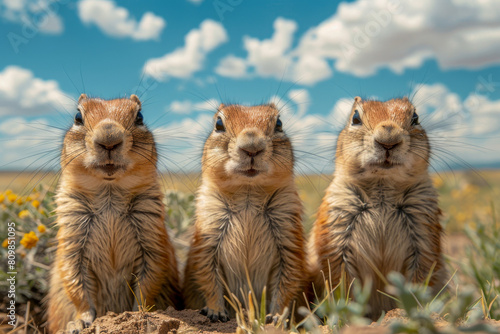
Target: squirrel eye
x,y
414,119
279,125
219,125
139,120
356,119
78,118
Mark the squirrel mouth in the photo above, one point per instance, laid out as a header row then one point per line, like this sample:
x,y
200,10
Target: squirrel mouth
x,y
109,169
385,165
250,172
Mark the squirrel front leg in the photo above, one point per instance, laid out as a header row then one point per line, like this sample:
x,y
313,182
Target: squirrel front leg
x,y
291,267
76,278
203,270
156,270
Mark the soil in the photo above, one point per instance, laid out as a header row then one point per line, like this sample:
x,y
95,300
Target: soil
x,y
190,321
159,322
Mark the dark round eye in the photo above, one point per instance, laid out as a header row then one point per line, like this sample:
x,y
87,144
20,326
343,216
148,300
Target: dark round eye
x,y
139,120
78,118
356,119
219,125
279,126
414,119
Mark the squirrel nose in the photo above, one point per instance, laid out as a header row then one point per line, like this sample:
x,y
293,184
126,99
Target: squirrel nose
x,y
109,147
251,152
108,136
387,146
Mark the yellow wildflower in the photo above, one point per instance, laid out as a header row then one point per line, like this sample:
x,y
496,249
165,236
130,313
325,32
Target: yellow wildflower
x,y
35,203
8,192
20,201
2,198
42,228
11,197
42,212
5,243
23,214
438,181
29,199
29,240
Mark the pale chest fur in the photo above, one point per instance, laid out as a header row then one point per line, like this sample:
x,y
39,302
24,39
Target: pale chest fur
x,y
244,228
104,233
384,226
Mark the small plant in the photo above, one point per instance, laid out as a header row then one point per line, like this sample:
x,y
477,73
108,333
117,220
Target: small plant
x,y
142,305
180,211
343,304
484,264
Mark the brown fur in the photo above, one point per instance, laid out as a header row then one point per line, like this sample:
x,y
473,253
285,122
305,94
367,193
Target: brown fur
x,y
381,209
246,224
111,220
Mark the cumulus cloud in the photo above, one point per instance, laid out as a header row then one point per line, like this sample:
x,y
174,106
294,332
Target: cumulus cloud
x,y
365,36
116,21
183,153
301,98
29,144
23,94
186,60
232,67
38,15
273,58
187,107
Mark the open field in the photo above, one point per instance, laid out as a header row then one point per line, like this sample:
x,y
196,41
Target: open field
x,y
469,200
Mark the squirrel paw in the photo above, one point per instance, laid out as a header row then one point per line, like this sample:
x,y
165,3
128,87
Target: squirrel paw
x,y
215,316
272,319
84,321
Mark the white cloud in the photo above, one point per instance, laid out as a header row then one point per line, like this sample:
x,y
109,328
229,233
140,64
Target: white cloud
x,y
301,98
36,15
273,57
116,21
186,60
365,35
232,67
29,144
23,94
187,107
183,153
268,57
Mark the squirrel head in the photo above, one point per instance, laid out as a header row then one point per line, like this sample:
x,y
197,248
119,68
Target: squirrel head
x,y
108,140
247,145
383,139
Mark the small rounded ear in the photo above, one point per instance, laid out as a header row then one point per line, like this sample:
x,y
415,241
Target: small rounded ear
x,y
82,97
134,98
273,106
357,100
221,106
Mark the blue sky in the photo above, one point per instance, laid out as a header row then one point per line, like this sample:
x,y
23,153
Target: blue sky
x,y
313,57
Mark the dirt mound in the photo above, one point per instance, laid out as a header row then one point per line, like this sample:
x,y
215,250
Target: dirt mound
x,y
159,322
